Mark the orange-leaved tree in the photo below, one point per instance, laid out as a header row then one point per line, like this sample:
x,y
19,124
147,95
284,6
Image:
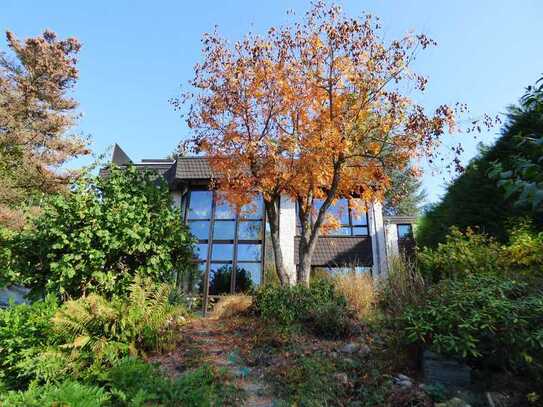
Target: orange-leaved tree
x,y
36,113
316,110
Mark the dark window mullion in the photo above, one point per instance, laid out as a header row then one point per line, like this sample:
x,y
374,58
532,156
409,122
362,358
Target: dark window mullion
x,y
350,217
235,258
209,250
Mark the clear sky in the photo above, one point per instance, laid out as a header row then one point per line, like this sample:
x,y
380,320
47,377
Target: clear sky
x,y
137,54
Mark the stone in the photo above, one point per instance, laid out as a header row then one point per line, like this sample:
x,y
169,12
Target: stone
x,y
403,381
447,372
349,348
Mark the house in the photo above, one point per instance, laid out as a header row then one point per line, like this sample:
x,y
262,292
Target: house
x,y
227,241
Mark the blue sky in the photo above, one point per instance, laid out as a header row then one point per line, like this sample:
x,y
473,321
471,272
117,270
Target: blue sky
x,y
137,54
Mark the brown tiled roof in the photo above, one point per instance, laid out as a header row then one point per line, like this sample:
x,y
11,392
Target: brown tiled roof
x,y
193,168
340,250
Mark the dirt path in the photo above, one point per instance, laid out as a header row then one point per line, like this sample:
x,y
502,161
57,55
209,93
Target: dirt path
x,y
208,340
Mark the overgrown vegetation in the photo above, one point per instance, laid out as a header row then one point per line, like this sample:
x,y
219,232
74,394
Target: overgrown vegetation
x,y
100,235
319,307
90,351
24,330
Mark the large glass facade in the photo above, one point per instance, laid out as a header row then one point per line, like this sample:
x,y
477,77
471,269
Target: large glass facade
x,y
229,247
352,222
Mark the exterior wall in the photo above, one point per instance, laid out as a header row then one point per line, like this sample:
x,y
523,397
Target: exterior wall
x,y
287,232
392,223
391,233
378,242
176,199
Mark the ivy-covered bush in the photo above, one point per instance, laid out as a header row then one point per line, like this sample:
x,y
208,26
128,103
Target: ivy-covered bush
x,y
481,318
98,236
24,331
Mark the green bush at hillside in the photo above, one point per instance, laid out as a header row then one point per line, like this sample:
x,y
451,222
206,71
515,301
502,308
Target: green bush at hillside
x,y
101,234
465,253
320,307
482,318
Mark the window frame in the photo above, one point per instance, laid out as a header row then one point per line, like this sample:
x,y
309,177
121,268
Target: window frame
x,y
211,241
351,225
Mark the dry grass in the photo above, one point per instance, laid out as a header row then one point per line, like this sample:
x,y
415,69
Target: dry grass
x,y
403,286
232,305
359,290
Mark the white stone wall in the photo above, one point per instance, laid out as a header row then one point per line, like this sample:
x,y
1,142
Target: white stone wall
x,y
391,234
287,231
176,199
378,241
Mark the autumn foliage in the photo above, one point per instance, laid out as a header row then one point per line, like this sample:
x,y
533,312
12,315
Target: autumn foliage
x,y
315,110
36,113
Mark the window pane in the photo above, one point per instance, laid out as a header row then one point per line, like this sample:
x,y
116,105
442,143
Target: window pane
x,y
222,252
343,231
200,205
340,210
200,284
359,218
362,269
404,231
200,229
219,279
223,210
360,231
224,230
250,230
200,251
254,210
249,252
248,276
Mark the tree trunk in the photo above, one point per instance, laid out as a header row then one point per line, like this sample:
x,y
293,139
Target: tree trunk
x,y
305,254
310,228
272,214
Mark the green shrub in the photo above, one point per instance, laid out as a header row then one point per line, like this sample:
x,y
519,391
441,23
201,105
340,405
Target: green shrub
x,y
136,383
99,236
473,253
24,331
97,332
292,304
481,318
523,255
332,321
68,393
462,253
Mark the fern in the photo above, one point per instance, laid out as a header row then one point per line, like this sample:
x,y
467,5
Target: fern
x,y
97,331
